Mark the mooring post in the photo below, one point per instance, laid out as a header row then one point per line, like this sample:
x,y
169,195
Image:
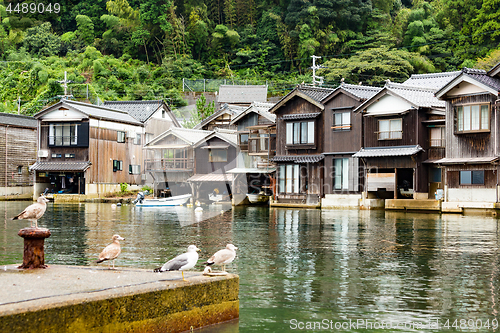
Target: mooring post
x,y
34,239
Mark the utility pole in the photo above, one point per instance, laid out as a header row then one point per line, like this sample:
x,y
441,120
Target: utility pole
x,y
19,105
316,79
65,85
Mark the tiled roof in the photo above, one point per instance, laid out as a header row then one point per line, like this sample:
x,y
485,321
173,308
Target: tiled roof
x,y
97,112
421,97
242,94
362,92
259,108
140,110
316,93
298,158
230,109
294,116
60,166
480,76
17,120
388,151
432,81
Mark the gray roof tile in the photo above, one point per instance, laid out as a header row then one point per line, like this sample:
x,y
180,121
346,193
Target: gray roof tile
x,y
432,81
298,158
362,92
388,151
18,120
316,93
422,97
60,166
293,116
140,110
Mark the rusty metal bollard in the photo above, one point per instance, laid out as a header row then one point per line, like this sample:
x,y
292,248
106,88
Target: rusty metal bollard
x,y
34,239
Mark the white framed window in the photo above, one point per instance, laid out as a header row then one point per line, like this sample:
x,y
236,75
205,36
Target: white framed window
x,y
117,165
289,178
437,138
217,155
390,129
120,136
341,121
300,133
472,118
341,179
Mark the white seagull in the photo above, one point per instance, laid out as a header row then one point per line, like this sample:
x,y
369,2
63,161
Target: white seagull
x,y
223,257
33,212
111,251
182,262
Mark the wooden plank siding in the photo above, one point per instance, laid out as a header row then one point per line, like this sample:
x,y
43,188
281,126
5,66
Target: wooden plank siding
x,y
81,153
490,178
18,147
202,162
103,149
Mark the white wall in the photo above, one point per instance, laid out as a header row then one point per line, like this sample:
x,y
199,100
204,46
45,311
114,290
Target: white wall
x,y
471,195
388,104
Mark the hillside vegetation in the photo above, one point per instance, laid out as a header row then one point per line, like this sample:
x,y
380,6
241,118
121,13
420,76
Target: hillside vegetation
x,y
143,49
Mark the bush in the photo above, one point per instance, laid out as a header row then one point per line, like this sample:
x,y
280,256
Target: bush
x,y
123,187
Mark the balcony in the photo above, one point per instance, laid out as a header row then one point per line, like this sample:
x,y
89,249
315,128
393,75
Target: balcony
x,y
260,146
169,164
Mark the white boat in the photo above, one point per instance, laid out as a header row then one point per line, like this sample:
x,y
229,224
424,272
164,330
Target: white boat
x,y
215,197
170,201
258,198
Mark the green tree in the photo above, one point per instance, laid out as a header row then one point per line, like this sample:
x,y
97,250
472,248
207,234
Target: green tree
x,y
203,109
41,41
85,31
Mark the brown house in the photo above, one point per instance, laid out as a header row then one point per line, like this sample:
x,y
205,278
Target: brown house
x,y
397,146
18,149
472,140
87,149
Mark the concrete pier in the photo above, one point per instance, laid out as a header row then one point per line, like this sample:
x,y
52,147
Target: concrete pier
x,y
83,299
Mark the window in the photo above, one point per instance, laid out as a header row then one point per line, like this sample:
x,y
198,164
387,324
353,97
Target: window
x,y
217,155
472,177
56,155
390,129
300,133
120,136
69,155
244,139
437,137
342,121
137,140
134,169
63,134
473,118
435,175
289,178
117,165
341,179
20,170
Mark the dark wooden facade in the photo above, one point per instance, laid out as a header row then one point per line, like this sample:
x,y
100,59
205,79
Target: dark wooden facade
x,y
204,162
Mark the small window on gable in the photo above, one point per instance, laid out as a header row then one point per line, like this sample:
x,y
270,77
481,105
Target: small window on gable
x,y
341,121
120,136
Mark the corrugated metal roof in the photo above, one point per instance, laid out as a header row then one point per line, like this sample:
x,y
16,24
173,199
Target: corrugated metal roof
x,y
141,110
363,92
60,166
421,97
211,177
388,151
466,160
316,93
18,120
432,81
242,94
300,116
298,158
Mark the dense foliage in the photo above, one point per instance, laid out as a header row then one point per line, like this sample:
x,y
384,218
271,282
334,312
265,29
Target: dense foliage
x,y
121,49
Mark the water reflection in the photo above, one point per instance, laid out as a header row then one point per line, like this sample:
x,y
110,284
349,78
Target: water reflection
x,y
307,265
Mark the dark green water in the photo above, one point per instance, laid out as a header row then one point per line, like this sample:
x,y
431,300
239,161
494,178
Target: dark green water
x,y
358,269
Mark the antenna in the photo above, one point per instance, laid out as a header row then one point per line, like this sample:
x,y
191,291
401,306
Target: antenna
x,y
316,79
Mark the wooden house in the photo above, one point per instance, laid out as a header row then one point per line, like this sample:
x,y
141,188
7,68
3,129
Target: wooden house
x,y
343,137
254,172
173,161
396,143
299,146
472,140
87,149
18,149
214,156
221,119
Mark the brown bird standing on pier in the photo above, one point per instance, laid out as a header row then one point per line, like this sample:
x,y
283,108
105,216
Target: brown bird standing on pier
x,y
33,212
223,257
111,251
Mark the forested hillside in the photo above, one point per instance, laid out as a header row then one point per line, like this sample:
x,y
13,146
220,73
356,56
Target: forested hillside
x,y
141,49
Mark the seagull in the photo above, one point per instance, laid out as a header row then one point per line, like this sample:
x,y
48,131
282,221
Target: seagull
x,y
223,257
33,212
111,251
182,262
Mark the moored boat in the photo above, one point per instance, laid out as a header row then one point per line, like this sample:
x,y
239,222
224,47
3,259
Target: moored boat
x,y
170,201
257,198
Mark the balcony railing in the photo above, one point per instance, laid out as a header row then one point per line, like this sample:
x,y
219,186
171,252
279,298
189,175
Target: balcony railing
x,y
437,143
166,164
260,145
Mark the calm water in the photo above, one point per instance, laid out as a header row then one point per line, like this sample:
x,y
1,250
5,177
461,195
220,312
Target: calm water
x,y
300,267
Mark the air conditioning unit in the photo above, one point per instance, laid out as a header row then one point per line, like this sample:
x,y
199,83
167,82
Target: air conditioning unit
x,y
144,177
43,153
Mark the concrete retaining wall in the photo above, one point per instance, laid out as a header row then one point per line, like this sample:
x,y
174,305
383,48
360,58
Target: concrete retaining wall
x,y
340,201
